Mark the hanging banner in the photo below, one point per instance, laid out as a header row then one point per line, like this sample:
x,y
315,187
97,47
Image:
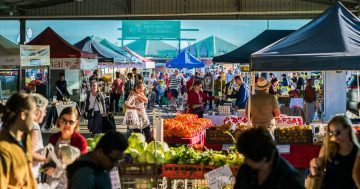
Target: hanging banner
x,y
65,63
88,63
34,55
72,79
10,61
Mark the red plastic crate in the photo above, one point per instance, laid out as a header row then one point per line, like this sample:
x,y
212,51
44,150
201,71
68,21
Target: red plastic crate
x,y
185,171
189,171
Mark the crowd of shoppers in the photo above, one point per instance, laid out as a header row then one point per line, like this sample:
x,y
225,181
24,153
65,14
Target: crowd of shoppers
x,y
21,145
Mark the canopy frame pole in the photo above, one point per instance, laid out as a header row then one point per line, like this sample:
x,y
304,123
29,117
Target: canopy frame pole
x,y
80,85
249,99
358,89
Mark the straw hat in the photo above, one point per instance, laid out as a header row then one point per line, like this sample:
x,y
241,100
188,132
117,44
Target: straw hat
x,y
262,84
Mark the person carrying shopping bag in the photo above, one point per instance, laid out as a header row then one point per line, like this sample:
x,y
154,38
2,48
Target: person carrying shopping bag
x,y
136,118
95,108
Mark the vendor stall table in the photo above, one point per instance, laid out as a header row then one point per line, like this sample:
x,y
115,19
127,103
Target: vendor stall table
x,y
299,155
280,121
52,113
216,119
198,138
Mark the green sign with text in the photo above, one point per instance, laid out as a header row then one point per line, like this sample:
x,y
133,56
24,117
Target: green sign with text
x,y
144,29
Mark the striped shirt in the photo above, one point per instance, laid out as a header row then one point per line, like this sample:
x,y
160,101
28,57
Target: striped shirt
x,y
174,82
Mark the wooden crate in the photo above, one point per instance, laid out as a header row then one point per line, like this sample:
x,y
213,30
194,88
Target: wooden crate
x,y
216,136
293,136
137,170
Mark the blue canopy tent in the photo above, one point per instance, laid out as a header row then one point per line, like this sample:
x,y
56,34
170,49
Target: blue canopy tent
x,y
329,42
185,60
243,53
105,54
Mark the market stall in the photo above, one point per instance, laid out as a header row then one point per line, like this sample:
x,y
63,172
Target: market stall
x,y
145,63
107,58
185,60
132,60
156,165
64,58
242,54
34,68
309,49
9,68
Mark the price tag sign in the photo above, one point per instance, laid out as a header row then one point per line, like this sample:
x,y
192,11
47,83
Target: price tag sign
x,y
115,179
226,147
220,177
283,149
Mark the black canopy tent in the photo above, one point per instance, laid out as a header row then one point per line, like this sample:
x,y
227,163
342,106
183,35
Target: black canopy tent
x,y
243,53
329,42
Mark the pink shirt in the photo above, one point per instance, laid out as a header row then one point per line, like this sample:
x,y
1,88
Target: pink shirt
x,y
118,86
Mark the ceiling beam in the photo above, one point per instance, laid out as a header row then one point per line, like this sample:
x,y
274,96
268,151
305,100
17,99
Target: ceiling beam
x,y
45,4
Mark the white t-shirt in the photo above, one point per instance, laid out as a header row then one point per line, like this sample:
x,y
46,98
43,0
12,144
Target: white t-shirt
x,y
92,103
38,147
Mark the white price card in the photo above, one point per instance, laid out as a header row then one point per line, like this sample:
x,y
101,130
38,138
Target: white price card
x,y
220,177
226,147
283,148
115,179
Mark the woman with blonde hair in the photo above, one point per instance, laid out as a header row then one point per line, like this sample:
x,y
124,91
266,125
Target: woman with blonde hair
x,y
35,133
337,155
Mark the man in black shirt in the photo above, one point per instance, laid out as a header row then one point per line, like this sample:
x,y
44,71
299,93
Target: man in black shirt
x,y
61,87
92,171
263,167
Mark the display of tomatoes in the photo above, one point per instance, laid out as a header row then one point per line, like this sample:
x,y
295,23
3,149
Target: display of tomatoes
x,y
185,125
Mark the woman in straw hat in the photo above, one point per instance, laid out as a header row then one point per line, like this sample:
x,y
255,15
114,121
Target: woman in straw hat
x,y
263,106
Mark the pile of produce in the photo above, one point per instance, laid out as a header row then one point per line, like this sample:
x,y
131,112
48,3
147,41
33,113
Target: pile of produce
x,y
295,128
92,142
220,134
142,152
159,152
294,135
188,155
185,125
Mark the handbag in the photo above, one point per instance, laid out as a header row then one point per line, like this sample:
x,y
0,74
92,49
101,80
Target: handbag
x,y
131,119
317,182
108,123
89,113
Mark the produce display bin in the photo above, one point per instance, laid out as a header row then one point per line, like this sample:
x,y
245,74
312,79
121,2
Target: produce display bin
x,y
198,138
188,171
143,183
216,136
140,176
293,136
185,171
134,170
189,184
